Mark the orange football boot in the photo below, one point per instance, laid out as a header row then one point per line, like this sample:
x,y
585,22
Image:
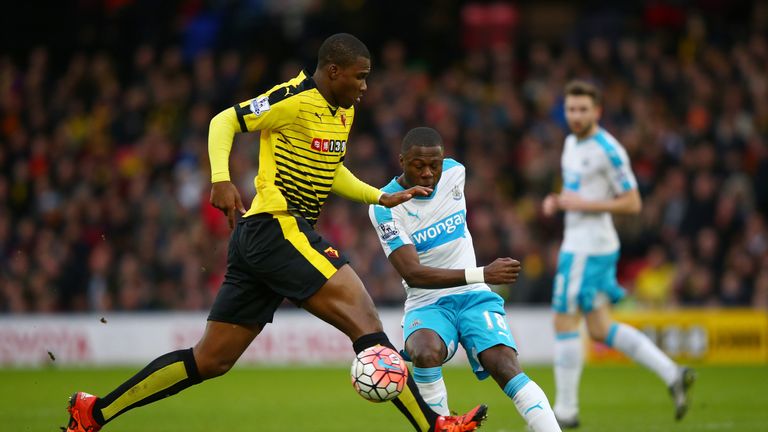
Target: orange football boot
x,y
464,423
81,413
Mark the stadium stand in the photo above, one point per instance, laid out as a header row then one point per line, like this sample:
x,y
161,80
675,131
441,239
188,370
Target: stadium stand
x,y
103,161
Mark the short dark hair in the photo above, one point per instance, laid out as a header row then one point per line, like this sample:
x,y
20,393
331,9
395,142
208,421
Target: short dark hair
x,y
421,137
341,49
584,88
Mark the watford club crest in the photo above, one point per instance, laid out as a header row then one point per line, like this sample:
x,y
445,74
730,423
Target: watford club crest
x,y
331,252
343,120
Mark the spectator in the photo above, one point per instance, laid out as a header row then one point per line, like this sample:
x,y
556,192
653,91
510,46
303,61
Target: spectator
x,y
103,165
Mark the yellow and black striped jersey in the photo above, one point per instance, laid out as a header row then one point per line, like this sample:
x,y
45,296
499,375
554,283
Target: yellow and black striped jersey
x,y
302,146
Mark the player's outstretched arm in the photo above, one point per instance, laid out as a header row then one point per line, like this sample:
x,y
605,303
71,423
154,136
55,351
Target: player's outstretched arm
x,y
346,185
406,261
392,199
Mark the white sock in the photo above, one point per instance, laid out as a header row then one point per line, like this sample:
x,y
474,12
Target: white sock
x,y
532,404
432,388
569,362
639,348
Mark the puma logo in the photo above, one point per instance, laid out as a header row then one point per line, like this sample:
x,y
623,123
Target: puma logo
x,y
538,405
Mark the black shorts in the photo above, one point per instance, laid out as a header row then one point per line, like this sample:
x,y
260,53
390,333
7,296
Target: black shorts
x,y
270,258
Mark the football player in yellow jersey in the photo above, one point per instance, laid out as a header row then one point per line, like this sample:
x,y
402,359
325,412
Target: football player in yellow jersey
x,y
274,251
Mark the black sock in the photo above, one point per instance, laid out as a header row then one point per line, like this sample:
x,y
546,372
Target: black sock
x,y
164,376
410,403
372,339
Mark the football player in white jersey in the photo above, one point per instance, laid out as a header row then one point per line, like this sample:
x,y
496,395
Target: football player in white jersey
x,y
448,302
597,183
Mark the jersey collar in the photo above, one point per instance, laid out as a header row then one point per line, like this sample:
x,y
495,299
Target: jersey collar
x,y
589,138
333,109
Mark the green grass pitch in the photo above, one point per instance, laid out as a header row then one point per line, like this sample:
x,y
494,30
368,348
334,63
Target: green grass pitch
x,y
614,398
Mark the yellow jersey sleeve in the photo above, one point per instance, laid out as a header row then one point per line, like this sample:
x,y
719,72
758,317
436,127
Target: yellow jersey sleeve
x,y
256,114
220,135
346,185
274,111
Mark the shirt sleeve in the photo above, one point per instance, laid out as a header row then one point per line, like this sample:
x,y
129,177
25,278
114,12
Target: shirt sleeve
x,y
619,169
248,116
346,185
272,112
623,179
389,229
220,135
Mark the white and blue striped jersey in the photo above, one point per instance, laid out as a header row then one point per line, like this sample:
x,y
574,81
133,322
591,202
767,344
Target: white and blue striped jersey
x,y
596,168
437,227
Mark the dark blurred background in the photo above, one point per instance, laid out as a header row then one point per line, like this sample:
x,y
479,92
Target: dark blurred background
x,y
104,111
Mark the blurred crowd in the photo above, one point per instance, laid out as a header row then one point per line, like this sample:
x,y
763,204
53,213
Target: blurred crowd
x,y
104,177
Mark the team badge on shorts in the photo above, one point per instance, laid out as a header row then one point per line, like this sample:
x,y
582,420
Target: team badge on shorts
x,y
331,252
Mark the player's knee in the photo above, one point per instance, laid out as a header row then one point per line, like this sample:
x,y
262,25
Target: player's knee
x,y
501,362
209,367
597,334
565,323
426,358
427,353
503,372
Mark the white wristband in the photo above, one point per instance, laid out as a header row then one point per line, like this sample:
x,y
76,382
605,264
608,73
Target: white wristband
x,y
474,275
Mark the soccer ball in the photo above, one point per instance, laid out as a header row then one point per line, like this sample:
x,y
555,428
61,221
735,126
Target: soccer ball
x,y
379,373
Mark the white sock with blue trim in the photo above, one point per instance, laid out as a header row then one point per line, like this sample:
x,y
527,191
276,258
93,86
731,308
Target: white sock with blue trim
x,y
639,348
531,403
569,362
432,388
